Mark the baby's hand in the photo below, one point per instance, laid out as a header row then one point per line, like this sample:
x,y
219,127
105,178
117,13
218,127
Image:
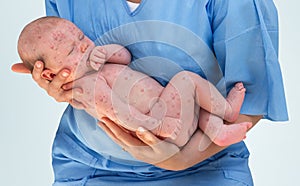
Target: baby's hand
x,y
98,57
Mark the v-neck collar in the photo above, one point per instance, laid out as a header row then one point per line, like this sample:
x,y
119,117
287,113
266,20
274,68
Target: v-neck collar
x,y
136,11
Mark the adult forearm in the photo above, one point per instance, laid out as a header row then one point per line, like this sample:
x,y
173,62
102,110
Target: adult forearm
x,y
190,153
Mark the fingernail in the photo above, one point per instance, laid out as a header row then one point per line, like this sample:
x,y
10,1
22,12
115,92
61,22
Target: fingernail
x,y
38,65
65,74
103,120
141,129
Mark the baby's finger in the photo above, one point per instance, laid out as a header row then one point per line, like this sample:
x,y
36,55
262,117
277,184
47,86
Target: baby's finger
x,y
97,66
99,55
101,50
97,60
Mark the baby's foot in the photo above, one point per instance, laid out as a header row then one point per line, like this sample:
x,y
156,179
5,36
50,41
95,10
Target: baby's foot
x,y
230,134
235,99
169,128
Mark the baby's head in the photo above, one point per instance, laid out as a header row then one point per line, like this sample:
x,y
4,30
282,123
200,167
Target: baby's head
x,y
58,43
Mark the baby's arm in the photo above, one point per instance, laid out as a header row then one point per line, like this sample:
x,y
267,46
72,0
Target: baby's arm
x,y
112,53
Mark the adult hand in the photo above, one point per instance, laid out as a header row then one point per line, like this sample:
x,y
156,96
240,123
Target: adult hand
x,y
146,147
55,87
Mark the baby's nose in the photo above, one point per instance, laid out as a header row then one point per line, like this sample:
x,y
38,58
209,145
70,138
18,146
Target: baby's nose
x,y
83,47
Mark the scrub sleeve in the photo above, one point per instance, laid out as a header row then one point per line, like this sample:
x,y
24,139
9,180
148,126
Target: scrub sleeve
x,y
243,35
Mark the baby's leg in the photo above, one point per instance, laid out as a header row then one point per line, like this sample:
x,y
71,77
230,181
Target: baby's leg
x,y
209,98
234,100
218,132
168,128
109,104
177,102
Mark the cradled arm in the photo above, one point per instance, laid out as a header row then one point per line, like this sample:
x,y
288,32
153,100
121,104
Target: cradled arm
x,y
112,53
150,149
117,54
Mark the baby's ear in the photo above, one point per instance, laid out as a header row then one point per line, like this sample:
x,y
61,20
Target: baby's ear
x,y
47,74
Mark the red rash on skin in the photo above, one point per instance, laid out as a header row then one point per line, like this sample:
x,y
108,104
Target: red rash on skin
x,y
72,29
58,36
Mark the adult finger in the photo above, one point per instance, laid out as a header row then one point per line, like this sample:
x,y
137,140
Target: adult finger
x,y
76,104
111,134
59,80
55,87
68,95
20,68
36,75
162,148
122,135
68,86
147,137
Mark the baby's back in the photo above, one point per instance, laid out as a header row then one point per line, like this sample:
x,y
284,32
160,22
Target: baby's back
x,y
133,87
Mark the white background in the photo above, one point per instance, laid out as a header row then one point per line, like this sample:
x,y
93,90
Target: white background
x,y
29,118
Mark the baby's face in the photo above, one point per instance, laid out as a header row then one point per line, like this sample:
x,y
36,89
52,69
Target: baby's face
x,y
67,47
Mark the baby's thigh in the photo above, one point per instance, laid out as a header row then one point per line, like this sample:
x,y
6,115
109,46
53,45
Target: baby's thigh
x,y
178,97
103,98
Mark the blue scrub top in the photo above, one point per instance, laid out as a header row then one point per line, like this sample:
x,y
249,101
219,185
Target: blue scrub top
x,y
224,41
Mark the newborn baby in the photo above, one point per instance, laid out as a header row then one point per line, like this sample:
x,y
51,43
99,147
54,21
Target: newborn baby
x,y
130,98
